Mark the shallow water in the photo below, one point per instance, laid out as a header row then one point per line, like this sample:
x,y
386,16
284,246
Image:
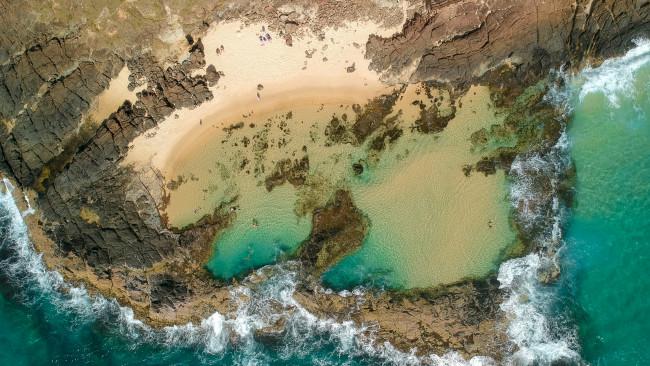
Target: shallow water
x,y
430,224
44,320
602,293
254,239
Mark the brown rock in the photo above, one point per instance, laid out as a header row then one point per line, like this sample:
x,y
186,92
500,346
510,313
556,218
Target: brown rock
x,y
338,229
295,172
457,40
212,75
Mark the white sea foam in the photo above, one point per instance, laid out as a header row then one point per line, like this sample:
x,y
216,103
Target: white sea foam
x,y
25,268
526,305
614,76
258,306
536,339
534,196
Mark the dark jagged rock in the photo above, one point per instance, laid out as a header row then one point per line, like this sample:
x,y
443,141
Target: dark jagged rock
x,y
338,229
273,333
486,166
431,120
388,136
464,317
131,230
45,91
106,215
371,116
212,75
294,172
337,132
166,291
357,168
458,40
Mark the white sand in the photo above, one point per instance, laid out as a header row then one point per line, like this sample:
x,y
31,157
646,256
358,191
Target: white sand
x,y
289,79
112,98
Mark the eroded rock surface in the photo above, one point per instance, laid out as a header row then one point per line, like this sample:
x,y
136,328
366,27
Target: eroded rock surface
x,y
294,172
103,221
462,317
456,41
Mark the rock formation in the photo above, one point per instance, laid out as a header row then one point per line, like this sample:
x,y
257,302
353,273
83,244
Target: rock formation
x,y
104,219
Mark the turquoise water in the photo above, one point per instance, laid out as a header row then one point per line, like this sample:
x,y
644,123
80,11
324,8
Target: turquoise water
x,y
253,240
605,286
608,237
43,321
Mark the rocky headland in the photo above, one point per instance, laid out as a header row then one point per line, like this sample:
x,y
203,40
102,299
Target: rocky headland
x,y
103,223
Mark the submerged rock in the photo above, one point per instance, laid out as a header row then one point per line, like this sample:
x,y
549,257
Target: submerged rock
x,y
273,333
294,172
338,229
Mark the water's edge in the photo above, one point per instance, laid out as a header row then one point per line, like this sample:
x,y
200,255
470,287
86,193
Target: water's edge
x,y
535,335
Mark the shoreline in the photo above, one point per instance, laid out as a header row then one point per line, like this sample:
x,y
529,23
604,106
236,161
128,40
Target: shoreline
x,y
326,306
122,243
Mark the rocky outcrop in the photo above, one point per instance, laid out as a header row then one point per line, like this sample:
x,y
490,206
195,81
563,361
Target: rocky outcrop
x,y
294,172
464,317
104,219
371,117
43,95
457,41
338,229
129,230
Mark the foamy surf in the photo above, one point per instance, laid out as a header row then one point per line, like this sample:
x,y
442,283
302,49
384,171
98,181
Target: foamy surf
x,y
536,338
534,196
25,269
263,304
614,76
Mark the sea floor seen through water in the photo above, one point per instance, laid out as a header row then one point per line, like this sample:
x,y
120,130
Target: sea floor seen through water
x,y
429,223
603,286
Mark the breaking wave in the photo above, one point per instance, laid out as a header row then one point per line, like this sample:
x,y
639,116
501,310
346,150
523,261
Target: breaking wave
x,y
261,304
538,333
614,76
534,194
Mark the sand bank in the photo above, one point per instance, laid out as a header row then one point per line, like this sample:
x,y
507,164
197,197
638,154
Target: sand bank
x,y
316,69
430,224
110,99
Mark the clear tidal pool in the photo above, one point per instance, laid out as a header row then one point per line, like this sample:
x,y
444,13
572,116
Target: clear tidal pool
x,y
429,223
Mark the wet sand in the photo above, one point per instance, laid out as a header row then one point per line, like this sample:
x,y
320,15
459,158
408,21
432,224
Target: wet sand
x,y
110,99
289,78
431,224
